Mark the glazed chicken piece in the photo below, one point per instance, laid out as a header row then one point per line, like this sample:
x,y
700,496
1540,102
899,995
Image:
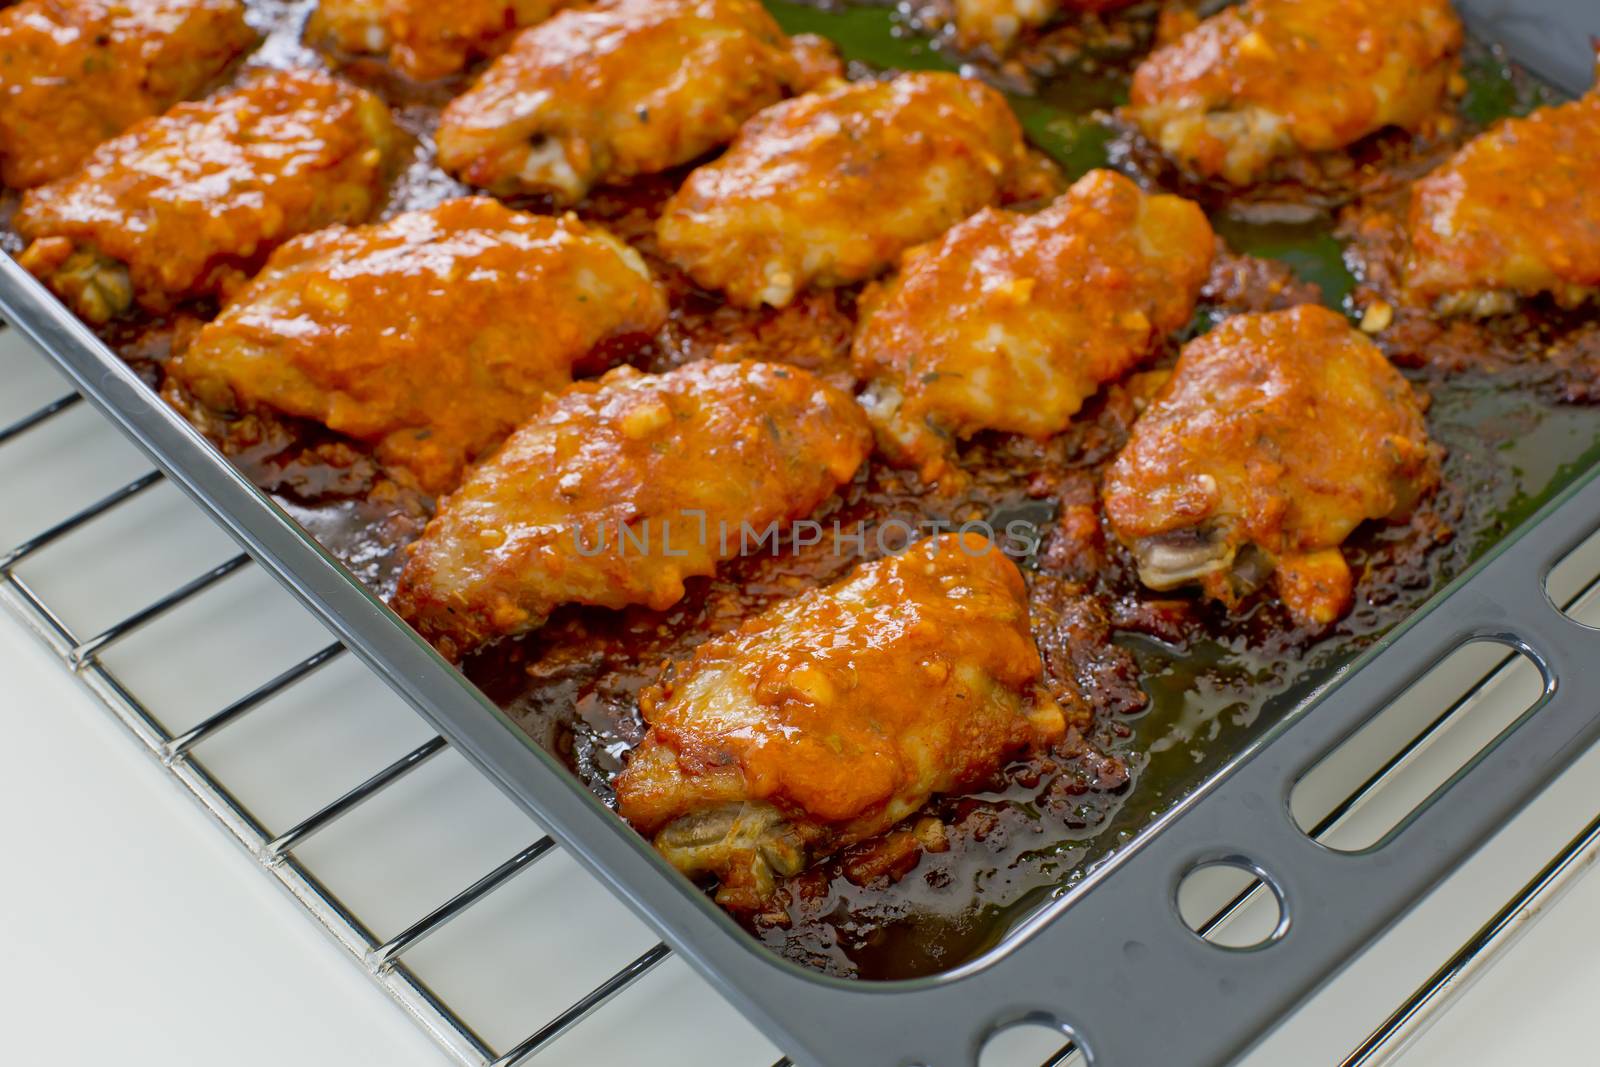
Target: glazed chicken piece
x,y
997,23
831,716
830,187
1270,78
188,204
603,93
1516,213
431,335
1276,436
1010,322
424,39
620,488
74,73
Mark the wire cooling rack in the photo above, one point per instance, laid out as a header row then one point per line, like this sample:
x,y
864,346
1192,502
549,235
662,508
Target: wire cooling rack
x,y
152,609
460,921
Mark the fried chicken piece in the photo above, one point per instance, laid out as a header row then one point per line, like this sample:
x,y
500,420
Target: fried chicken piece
x,y
1276,436
425,39
830,187
188,204
603,93
1514,214
431,335
998,23
1010,322
829,717
1269,78
619,489
74,73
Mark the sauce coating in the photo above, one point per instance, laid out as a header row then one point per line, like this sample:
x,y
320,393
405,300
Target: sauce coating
x,y
1514,214
431,335
188,204
835,714
830,187
1268,78
74,73
620,488
1275,437
604,93
424,39
1010,322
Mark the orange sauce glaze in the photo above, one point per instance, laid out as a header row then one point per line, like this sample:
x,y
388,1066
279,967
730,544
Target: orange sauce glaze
x,y
74,73
1265,78
192,201
1515,212
430,336
424,39
907,677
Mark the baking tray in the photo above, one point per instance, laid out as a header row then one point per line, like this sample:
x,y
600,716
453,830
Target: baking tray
x,y
1156,992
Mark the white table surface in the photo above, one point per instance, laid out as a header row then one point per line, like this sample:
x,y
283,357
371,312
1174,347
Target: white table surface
x,y
133,931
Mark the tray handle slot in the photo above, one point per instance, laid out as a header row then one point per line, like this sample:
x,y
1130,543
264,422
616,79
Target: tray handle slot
x,y
1233,903
1412,749
1033,1038
1572,585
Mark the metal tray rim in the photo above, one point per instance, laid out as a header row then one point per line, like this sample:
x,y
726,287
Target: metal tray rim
x,y
418,674
534,779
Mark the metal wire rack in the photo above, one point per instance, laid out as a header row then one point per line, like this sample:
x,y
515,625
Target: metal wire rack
x,y
384,959
278,852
